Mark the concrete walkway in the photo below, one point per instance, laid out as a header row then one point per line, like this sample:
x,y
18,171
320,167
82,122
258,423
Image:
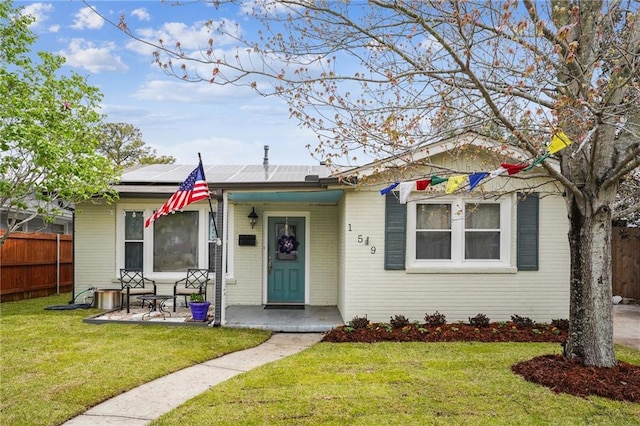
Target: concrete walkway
x,y
626,325
148,402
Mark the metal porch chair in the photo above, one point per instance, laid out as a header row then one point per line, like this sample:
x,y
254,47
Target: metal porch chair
x,y
133,284
195,282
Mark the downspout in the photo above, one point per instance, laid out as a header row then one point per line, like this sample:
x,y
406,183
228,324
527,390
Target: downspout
x,y
219,265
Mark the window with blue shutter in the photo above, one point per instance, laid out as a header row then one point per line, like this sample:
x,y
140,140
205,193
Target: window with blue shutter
x,y
395,233
528,217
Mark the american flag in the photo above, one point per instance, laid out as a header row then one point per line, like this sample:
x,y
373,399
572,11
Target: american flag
x,y
193,189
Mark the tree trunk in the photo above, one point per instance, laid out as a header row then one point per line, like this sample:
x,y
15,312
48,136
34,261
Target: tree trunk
x,y
591,311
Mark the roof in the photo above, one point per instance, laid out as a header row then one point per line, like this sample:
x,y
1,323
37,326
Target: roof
x,y
159,179
175,173
435,148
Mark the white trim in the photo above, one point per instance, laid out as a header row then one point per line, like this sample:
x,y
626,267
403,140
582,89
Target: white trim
x,y
148,208
227,239
457,263
265,249
438,147
227,255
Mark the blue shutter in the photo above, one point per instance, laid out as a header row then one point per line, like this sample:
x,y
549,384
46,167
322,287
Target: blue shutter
x,y
395,232
528,232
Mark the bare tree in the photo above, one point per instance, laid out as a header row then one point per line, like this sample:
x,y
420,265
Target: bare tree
x,y
374,79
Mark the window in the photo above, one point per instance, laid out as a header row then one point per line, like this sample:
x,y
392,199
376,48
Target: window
x,y
433,231
175,242
458,232
133,239
169,245
482,231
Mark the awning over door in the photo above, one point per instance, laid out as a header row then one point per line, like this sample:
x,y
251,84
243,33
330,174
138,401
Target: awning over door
x,y
322,197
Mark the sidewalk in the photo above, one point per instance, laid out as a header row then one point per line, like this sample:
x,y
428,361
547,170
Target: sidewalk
x,y
149,401
626,325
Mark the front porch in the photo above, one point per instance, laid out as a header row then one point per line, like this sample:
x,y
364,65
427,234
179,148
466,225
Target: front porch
x,y
311,319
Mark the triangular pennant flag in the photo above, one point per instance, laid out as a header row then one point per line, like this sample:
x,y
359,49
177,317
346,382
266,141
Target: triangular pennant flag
x,y
421,185
389,188
538,161
512,169
497,172
437,179
559,141
454,183
405,190
475,178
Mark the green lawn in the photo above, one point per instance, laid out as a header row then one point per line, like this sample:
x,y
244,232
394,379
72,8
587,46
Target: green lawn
x,y
55,367
400,384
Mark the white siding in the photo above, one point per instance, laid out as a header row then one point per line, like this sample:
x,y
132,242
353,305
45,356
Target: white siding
x,y
370,290
245,287
247,284
95,247
342,258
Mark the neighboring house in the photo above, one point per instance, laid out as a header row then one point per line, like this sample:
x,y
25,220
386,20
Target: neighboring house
x,y
320,241
61,224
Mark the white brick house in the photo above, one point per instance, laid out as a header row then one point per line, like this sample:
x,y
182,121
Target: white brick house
x,y
357,250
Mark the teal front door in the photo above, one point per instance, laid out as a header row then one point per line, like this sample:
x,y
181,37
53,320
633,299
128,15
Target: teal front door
x,y
286,251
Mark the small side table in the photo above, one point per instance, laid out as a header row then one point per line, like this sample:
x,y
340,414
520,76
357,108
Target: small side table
x,y
156,303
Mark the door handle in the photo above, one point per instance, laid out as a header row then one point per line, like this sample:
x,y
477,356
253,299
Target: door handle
x,y
269,265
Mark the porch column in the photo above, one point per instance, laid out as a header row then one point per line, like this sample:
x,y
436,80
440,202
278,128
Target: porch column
x,y
219,268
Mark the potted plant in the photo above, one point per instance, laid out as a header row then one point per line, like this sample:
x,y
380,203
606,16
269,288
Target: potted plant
x,y
199,306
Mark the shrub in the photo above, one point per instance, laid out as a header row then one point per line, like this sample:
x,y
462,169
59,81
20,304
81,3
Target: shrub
x,y
480,320
359,322
399,321
436,319
522,321
560,324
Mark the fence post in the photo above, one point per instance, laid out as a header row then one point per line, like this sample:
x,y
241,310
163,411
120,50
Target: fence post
x,y
57,263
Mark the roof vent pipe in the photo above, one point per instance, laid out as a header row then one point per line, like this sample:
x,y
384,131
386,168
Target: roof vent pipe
x,y
265,160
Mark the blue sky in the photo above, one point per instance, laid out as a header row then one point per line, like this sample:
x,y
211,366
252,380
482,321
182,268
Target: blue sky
x,y
227,125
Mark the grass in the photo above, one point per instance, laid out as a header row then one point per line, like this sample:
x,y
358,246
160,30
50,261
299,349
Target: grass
x,y
400,383
54,366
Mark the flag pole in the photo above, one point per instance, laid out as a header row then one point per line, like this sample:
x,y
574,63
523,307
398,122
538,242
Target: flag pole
x,y
213,217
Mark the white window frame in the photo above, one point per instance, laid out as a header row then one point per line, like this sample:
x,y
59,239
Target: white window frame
x,y
457,263
148,209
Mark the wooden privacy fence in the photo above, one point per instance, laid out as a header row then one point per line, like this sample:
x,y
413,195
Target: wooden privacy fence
x,y
35,265
625,262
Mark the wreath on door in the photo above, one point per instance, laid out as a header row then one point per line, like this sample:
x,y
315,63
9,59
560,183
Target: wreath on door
x,y
287,244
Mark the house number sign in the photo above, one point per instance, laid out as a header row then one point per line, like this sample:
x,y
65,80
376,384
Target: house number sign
x,y
364,240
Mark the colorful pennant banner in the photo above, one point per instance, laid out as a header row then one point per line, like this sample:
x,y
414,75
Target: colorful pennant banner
x,y
559,141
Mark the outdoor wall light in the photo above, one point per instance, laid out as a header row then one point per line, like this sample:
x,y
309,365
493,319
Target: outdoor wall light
x,y
253,217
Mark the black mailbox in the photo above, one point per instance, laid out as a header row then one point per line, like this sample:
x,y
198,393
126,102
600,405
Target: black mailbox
x,y
246,240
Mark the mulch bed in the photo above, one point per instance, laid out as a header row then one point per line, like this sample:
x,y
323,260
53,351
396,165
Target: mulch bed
x,y
565,375
621,383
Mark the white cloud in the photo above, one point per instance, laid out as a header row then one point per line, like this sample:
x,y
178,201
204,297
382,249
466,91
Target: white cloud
x,y
85,54
192,38
54,28
142,14
173,90
86,18
39,11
